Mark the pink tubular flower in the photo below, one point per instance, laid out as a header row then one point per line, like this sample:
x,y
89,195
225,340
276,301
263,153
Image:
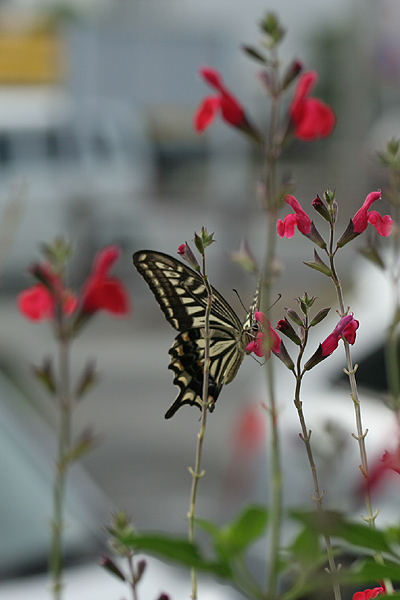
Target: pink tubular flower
x,y
299,218
266,341
311,117
378,471
363,216
347,328
101,291
231,110
369,594
39,302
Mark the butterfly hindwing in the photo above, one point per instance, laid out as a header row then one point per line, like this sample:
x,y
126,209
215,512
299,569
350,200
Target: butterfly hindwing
x,y
182,296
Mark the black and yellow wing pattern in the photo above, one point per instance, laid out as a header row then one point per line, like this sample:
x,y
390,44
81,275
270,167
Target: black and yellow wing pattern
x,y
182,296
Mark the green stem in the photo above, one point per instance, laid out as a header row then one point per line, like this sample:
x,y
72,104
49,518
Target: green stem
x,y
197,473
64,440
269,273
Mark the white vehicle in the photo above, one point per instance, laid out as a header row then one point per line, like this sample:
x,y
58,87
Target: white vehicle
x,y
26,464
78,170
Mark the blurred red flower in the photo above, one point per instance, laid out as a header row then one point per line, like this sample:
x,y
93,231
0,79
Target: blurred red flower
x,y
231,109
39,302
369,594
102,291
311,117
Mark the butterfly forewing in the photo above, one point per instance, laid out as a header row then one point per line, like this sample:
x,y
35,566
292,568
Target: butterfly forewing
x,y
182,296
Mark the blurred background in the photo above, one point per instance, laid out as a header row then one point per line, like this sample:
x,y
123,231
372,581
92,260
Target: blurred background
x,y
97,144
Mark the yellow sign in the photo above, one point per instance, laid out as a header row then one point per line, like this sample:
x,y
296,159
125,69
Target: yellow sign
x,y
29,57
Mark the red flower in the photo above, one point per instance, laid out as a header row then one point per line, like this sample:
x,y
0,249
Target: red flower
x,y
39,302
265,341
347,328
311,117
363,216
300,219
101,291
369,594
231,109
379,470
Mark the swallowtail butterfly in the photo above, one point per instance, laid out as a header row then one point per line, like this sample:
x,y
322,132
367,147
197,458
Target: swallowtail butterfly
x,y
182,296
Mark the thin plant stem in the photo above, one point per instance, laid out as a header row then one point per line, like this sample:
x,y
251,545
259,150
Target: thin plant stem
x,y
197,472
64,440
272,154
305,435
133,577
360,434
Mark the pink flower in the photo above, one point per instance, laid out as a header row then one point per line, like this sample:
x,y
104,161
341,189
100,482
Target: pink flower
x,y
378,471
311,117
231,110
40,301
266,341
369,594
101,291
363,216
346,328
299,218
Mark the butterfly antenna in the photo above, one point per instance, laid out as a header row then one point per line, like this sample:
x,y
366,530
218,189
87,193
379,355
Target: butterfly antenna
x,y
240,300
276,301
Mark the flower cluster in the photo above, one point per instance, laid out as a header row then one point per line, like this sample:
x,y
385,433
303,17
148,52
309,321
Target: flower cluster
x,y
101,291
309,118
358,223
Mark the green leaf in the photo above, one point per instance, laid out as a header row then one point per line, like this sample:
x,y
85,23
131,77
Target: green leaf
x,y
335,525
254,53
174,549
233,539
306,548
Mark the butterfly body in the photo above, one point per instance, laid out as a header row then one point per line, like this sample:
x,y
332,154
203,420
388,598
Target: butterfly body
x,y
182,296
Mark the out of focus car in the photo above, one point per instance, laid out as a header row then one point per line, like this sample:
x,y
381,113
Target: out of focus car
x,y
81,170
27,450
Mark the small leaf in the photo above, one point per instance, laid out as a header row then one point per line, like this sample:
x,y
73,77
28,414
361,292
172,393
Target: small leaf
x,y
253,53
175,549
319,267
320,316
46,377
84,444
88,379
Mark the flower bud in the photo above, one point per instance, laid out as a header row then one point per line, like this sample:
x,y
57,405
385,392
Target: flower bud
x,y
187,254
292,314
285,327
292,72
320,316
319,205
111,567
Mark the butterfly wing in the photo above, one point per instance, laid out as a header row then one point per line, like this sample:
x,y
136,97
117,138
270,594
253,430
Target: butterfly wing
x,y
182,296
